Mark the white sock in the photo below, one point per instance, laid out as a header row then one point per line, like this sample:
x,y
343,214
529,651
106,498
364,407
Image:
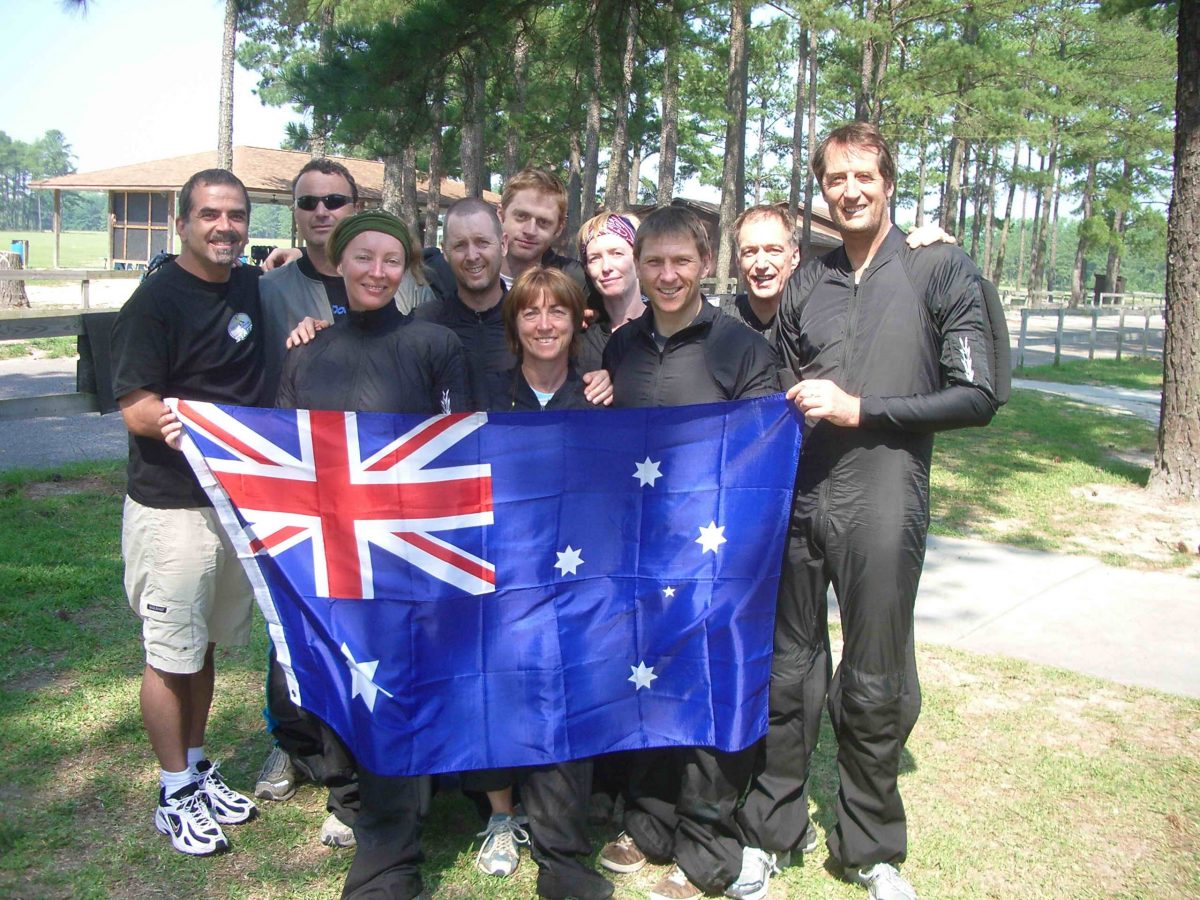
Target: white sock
x,y
173,782
195,755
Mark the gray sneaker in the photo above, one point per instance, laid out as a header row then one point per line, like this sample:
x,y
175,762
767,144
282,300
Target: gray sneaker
x,y
882,881
336,833
500,853
757,868
277,779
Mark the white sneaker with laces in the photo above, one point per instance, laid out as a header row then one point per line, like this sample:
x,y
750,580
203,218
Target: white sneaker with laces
x,y
227,805
185,818
883,882
500,853
757,868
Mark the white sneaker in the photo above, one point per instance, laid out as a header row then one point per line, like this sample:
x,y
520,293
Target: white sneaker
x,y
882,881
757,868
227,805
501,853
185,817
336,833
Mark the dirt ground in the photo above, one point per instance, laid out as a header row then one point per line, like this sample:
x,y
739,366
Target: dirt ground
x,y
1139,526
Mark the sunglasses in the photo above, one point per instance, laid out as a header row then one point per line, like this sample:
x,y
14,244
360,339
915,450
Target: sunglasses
x,y
332,201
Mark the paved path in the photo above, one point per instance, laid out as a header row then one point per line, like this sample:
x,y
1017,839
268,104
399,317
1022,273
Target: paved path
x,y
1143,404
41,443
1133,627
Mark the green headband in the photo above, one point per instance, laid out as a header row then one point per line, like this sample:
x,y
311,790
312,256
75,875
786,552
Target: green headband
x,y
368,220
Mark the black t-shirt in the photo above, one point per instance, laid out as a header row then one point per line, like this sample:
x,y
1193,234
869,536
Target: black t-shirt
x,y
181,336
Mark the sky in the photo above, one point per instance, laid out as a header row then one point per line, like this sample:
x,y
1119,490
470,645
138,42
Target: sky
x,y
127,82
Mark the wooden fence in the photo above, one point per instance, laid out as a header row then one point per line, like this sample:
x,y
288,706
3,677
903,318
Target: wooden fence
x,y
84,276
1094,314
92,393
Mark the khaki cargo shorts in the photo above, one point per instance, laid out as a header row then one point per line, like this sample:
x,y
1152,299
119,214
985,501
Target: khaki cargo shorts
x,y
183,578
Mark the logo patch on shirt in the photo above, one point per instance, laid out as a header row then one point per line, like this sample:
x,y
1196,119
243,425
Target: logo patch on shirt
x,y
240,327
157,609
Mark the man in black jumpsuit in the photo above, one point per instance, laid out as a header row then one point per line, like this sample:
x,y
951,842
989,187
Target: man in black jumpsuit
x,y
681,803
890,345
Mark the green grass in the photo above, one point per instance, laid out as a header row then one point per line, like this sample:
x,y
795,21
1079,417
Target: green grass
x,y
1020,781
1131,372
77,249
81,249
55,348
1017,481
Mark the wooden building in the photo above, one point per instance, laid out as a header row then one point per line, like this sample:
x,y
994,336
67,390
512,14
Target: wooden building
x,y
143,197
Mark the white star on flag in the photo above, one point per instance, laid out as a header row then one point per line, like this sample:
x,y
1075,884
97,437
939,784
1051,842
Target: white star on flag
x,y
361,683
569,561
647,472
642,675
668,592
711,537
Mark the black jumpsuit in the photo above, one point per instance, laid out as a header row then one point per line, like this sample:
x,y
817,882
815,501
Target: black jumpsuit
x,y
681,803
911,339
380,361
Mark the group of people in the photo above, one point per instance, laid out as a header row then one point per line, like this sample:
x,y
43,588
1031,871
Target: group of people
x,y
878,345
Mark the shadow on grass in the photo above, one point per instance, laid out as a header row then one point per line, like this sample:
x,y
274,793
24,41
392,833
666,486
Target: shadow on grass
x,y
1027,461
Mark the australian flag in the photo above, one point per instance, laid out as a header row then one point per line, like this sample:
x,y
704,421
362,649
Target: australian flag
x,y
490,590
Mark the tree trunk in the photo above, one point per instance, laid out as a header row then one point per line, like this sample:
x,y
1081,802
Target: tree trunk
x,y
806,233
989,217
616,190
591,150
513,161
960,227
735,130
1081,246
574,188
471,153
1036,242
794,184
393,169
981,154
998,268
948,214
1113,269
1051,260
318,139
668,141
922,174
225,115
433,194
864,103
635,174
408,188
1176,472
12,293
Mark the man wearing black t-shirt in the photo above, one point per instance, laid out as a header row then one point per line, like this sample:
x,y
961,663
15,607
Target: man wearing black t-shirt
x,y
192,330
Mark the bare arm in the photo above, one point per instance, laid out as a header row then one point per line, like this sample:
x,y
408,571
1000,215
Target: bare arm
x,y
147,416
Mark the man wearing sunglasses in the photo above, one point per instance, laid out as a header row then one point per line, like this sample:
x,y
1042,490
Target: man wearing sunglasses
x,y
324,193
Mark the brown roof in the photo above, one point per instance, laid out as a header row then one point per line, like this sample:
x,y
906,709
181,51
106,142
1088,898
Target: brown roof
x,y
266,173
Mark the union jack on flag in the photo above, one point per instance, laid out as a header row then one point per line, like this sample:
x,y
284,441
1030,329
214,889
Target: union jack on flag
x,y
392,497
497,590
